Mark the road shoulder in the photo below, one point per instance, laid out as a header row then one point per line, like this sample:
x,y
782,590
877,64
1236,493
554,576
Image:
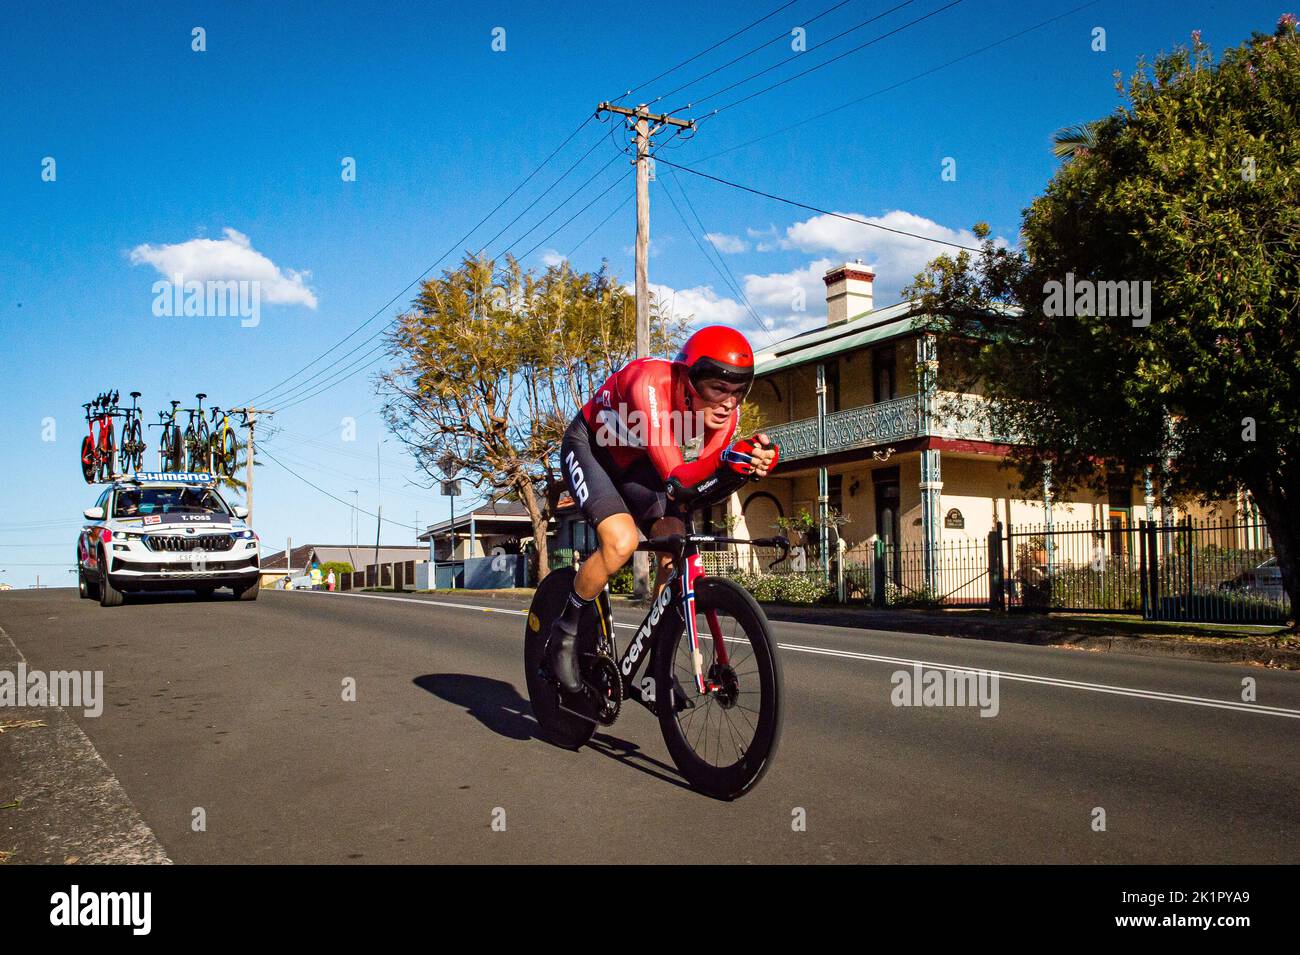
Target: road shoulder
x,y
59,801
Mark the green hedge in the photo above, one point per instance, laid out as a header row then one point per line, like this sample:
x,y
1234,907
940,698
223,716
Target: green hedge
x,y
809,588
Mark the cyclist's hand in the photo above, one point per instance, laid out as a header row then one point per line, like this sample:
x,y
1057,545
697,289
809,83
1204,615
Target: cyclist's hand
x,y
752,457
765,455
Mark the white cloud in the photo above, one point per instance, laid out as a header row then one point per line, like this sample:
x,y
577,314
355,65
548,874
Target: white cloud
x,y
791,301
727,244
231,258
896,259
708,307
551,258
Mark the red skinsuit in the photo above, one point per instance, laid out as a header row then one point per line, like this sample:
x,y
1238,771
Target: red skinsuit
x,y
652,387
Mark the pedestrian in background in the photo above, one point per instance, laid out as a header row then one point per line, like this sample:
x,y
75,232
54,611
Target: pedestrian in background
x,y
329,581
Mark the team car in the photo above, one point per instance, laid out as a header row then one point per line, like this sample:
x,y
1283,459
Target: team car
x,y
159,531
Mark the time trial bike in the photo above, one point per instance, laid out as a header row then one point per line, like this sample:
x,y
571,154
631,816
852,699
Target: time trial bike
x,y
132,451
99,447
712,675
223,445
170,453
197,443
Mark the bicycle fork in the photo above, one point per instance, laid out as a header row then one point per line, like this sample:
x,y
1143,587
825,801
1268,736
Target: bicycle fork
x,y
693,573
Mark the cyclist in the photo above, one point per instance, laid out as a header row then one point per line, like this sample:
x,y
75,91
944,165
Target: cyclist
x,y
623,463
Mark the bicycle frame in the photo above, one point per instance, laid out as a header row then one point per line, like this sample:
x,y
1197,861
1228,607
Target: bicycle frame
x,y
99,413
678,593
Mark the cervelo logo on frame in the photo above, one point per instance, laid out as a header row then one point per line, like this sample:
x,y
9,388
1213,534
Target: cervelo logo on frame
x,y
634,651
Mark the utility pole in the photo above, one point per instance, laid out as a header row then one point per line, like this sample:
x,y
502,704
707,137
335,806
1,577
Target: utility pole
x,y
640,120
250,421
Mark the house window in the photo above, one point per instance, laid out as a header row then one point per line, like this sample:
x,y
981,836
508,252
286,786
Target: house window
x,y
832,386
883,364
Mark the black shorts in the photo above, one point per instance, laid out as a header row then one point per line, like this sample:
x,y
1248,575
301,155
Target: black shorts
x,y
601,489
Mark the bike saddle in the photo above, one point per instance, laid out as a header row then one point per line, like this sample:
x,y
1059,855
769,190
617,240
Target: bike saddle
x,y
135,394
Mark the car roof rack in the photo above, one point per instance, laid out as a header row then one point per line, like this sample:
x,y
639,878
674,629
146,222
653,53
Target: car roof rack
x,y
201,478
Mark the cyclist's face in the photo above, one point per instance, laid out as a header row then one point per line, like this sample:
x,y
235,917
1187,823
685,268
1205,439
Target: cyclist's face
x,y
718,399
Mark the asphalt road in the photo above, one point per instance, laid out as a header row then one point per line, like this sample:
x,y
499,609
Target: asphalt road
x,y
237,709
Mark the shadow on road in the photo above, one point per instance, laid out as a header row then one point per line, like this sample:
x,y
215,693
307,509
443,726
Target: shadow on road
x,y
494,703
498,706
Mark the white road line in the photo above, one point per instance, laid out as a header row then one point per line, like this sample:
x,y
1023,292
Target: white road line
x,y
904,661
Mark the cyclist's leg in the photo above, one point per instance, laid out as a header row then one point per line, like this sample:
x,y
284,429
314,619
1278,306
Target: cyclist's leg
x,y
597,496
656,516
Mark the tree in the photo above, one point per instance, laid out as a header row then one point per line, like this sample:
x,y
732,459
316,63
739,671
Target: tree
x,y
492,365
1192,186
1076,140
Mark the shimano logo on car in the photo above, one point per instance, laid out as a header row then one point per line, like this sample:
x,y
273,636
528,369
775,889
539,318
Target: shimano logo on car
x,y
634,651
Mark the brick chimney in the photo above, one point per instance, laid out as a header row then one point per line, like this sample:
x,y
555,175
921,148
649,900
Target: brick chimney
x,y
848,291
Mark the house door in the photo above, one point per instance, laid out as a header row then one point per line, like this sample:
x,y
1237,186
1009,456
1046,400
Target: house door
x,y
887,524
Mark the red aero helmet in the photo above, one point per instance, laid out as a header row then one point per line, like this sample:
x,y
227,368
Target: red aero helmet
x,y
717,351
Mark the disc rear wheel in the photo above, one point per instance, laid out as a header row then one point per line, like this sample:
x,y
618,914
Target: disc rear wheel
x,y
553,709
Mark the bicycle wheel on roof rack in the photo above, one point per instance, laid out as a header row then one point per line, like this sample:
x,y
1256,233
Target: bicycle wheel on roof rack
x,y
108,454
89,466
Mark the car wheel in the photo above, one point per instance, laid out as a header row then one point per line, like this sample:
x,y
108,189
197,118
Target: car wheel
x,y
83,591
109,596
249,592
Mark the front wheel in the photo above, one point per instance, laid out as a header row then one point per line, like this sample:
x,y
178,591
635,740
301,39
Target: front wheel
x,y
722,741
109,595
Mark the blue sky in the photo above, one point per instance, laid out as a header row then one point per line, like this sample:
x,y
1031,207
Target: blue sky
x,y
157,148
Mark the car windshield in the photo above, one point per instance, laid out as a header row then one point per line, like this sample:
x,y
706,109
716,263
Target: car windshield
x,y
138,502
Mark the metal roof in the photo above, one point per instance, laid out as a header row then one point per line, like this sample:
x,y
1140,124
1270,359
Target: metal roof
x,y
868,328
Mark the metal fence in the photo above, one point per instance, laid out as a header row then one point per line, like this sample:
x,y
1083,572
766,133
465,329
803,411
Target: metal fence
x,y
1193,570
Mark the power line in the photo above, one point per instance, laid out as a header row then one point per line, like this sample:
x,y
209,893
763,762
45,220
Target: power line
x,y
297,393
710,49
602,195
600,225
347,504
592,178
834,59
466,236
369,358
894,86
762,46
316,386
825,212
728,279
